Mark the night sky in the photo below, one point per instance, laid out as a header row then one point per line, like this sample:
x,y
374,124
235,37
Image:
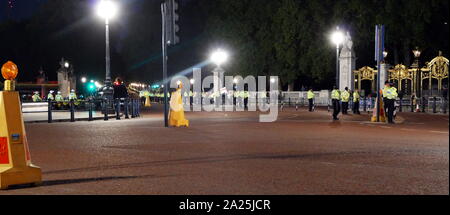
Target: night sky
x,y
20,8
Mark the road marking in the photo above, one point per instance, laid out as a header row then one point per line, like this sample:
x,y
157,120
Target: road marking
x,y
439,132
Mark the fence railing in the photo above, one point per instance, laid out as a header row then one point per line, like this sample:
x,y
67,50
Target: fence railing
x,y
91,109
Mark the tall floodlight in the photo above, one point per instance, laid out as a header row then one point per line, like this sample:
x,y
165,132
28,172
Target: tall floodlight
x,y
219,57
337,38
107,10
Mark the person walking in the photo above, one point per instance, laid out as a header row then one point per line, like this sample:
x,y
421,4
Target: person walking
x,y
335,98
345,99
389,96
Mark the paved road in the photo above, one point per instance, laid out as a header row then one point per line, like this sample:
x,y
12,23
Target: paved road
x,y
232,153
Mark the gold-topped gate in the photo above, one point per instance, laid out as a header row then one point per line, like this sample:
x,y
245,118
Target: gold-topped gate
x,y
365,74
400,74
436,69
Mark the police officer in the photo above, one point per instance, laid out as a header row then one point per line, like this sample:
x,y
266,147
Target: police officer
x,y
335,98
311,99
345,99
50,96
72,95
59,97
36,97
356,99
389,96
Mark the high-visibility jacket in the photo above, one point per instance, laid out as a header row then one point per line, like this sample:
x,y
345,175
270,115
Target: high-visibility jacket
x,y
237,94
356,96
311,94
59,98
335,94
36,98
72,96
246,94
390,93
50,97
345,96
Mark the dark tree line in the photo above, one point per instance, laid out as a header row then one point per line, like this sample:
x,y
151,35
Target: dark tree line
x,y
288,38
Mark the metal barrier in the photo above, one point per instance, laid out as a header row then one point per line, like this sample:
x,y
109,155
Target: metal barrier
x,y
54,109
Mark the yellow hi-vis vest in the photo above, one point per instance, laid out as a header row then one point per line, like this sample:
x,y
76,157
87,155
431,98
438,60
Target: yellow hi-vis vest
x,y
335,94
355,96
50,97
345,96
310,94
390,93
59,98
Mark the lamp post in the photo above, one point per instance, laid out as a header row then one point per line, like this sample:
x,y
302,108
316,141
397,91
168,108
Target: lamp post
x,y
416,64
337,38
218,57
107,10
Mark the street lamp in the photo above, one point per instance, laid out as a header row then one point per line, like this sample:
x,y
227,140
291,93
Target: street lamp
x,y
417,54
83,80
66,65
219,57
192,81
337,38
107,10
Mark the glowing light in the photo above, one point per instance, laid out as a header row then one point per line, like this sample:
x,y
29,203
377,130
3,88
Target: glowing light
x,y
219,57
337,37
107,9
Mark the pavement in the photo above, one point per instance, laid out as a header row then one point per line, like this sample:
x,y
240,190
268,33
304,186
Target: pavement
x,y
232,153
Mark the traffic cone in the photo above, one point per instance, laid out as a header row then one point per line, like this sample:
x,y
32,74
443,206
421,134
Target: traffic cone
x,y
417,108
15,161
382,114
147,101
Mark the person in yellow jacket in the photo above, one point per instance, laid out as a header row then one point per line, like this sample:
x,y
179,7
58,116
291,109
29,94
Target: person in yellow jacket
x,y
50,96
335,98
311,97
345,97
356,99
176,115
36,97
389,96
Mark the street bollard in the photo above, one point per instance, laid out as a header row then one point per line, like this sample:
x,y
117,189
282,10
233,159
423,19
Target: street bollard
x,y
289,104
50,118
434,104
72,111
90,102
117,109
125,104
412,105
105,109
